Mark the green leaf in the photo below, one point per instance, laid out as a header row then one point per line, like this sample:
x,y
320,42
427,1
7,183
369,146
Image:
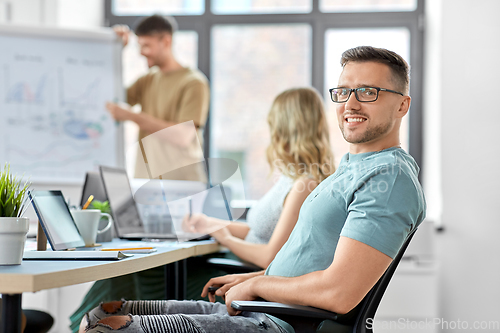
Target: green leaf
x,y
12,193
102,206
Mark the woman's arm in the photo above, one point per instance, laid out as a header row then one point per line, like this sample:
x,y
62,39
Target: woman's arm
x,y
238,229
262,254
201,223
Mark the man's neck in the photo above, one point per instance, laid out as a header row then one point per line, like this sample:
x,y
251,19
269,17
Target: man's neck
x,y
170,65
372,147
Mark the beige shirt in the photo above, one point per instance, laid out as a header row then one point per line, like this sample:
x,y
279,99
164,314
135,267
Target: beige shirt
x,y
177,96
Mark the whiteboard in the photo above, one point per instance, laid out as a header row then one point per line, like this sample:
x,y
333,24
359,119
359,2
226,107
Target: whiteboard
x,y
53,88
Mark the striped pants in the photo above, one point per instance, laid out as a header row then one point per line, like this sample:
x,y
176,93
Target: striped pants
x,y
173,316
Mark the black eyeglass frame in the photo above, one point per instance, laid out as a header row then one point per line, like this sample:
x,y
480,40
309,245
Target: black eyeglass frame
x,y
356,93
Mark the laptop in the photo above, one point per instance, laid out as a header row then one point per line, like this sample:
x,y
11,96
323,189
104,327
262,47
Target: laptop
x,y
61,231
125,212
93,186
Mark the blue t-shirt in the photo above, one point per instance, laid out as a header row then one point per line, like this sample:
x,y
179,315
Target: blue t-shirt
x,y
374,198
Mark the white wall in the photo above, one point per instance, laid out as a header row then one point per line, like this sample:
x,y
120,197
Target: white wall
x,y
80,14
467,118
62,13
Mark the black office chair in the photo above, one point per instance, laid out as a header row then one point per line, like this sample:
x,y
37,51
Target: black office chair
x,y
35,321
232,266
310,319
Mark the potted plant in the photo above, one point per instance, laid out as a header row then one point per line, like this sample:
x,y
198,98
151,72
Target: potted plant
x,y
13,227
102,206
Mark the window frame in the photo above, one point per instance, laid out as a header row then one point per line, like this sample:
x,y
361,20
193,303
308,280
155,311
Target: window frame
x,y
320,22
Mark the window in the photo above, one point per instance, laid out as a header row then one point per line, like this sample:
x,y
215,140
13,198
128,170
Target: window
x,y
150,7
251,50
251,64
367,5
261,6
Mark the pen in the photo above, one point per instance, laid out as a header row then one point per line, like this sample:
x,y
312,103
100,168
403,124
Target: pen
x,y
130,248
190,207
89,200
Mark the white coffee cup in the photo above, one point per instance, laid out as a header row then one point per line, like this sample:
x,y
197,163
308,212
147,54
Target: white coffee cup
x,y
87,222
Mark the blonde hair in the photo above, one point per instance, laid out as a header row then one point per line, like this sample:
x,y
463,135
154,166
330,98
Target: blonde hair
x,y
299,135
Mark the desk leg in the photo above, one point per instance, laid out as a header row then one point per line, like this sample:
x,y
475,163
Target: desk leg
x,y
182,280
175,280
11,313
171,280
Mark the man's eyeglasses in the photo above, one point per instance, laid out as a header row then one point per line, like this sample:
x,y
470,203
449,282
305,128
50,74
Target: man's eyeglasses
x,y
364,94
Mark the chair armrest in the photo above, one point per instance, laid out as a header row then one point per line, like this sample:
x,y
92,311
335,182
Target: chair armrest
x,y
232,266
273,308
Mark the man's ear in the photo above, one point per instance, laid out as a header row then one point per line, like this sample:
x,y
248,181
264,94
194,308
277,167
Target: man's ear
x,y
404,106
166,40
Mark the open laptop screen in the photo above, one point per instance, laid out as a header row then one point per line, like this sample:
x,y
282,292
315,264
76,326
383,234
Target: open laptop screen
x,y
121,201
56,220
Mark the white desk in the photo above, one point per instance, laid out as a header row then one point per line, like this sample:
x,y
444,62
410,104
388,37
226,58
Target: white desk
x,y
36,275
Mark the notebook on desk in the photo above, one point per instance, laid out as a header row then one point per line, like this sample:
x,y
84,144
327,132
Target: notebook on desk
x,y
75,255
61,231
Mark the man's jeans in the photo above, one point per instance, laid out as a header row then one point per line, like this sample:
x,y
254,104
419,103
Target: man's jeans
x,y
179,316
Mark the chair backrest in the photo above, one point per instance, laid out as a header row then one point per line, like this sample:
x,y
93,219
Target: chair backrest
x,y
370,303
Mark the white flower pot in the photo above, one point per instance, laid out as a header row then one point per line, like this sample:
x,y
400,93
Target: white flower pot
x,y
13,232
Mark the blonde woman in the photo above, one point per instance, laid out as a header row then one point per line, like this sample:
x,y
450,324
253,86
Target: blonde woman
x,y
300,149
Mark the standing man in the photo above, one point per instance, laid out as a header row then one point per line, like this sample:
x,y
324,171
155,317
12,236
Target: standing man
x,y
349,229
169,94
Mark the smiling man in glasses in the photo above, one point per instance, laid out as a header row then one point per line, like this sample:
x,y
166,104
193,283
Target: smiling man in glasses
x,y
371,120
349,228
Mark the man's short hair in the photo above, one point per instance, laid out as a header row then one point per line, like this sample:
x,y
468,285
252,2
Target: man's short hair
x,y
156,24
399,67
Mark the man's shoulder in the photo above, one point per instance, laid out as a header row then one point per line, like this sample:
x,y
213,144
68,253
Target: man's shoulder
x,y
398,170
394,158
185,74
148,78
192,75
393,168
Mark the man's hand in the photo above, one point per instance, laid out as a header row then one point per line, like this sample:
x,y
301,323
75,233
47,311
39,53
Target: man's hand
x,y
225,283
118,112
240,292
123,32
